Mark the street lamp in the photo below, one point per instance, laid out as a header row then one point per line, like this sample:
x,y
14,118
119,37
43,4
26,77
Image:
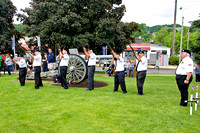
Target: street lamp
x,y
181,36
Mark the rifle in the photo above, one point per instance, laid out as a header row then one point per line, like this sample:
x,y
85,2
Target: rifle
x,y
84,49
111,49
58,47
82,45
132,49
23,49
26,51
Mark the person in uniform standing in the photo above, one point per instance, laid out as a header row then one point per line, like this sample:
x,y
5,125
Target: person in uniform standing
x,y
91,57
184,75
22,69
37,62
119,72
141,68
64,57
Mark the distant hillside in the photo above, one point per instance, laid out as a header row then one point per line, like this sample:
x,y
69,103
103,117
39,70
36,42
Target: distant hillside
x,y
158,27
19,27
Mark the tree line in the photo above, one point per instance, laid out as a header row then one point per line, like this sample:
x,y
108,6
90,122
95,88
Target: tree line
x,y
92,23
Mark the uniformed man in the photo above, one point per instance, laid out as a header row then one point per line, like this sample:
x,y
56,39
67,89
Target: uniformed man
x,y
37,62
184,75
141,68
22,69
91,57
64,57
119,72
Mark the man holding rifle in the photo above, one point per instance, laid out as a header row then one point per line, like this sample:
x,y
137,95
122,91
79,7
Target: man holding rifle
x,y
64,57
119,72
141,68
91,67
22,69
37,62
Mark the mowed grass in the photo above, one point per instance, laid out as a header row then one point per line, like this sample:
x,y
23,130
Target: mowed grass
x,y
52,109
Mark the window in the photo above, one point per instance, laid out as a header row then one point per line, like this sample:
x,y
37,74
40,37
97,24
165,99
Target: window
x,y
164,51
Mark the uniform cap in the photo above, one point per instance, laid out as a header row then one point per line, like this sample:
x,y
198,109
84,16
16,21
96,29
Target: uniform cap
x,y
37,50
141,52
187,51
21,55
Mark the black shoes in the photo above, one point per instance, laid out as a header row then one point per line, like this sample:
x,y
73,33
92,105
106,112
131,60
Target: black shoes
x,y
139,94
89,89
117,90
183,105
36,87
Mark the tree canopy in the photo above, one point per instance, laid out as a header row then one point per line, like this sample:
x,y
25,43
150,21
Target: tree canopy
x,y
73,22
7,30
196,47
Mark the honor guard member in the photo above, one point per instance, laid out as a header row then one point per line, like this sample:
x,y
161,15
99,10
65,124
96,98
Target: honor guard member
x,y
64,57
141,68
91,57
37,62
184,76
22,69
119,73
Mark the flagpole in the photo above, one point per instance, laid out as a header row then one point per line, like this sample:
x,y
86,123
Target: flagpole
x,y
191,98
196,96
196,102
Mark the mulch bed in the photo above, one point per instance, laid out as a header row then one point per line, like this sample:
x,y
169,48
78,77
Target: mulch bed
x,y
83,84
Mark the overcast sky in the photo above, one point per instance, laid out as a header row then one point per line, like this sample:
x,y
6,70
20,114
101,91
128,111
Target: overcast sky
x,y
150,12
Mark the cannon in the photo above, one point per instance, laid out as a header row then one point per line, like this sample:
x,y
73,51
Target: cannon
x,y
77,70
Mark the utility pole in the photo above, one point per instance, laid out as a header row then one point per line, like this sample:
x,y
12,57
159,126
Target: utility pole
x,y
188,35
174,29
188,38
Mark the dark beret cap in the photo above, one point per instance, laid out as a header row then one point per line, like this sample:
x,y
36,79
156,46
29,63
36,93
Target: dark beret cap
x,y
141,52
187,51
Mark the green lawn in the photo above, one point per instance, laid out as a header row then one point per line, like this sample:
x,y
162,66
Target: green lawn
x,y
52,109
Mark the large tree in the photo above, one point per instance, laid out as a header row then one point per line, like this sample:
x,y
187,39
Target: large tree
x,y
7,30
196,48
95,23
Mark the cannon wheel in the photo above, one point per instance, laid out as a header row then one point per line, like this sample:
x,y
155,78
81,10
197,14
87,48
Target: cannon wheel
x,y
77,69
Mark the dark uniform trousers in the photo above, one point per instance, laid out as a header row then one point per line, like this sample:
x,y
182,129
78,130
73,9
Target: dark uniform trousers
x,y
63,73
197,77
38,80
183,88
91,70
141,75
22,75
119,80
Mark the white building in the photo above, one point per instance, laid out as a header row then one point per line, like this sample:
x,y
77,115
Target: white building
x,y
156,54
